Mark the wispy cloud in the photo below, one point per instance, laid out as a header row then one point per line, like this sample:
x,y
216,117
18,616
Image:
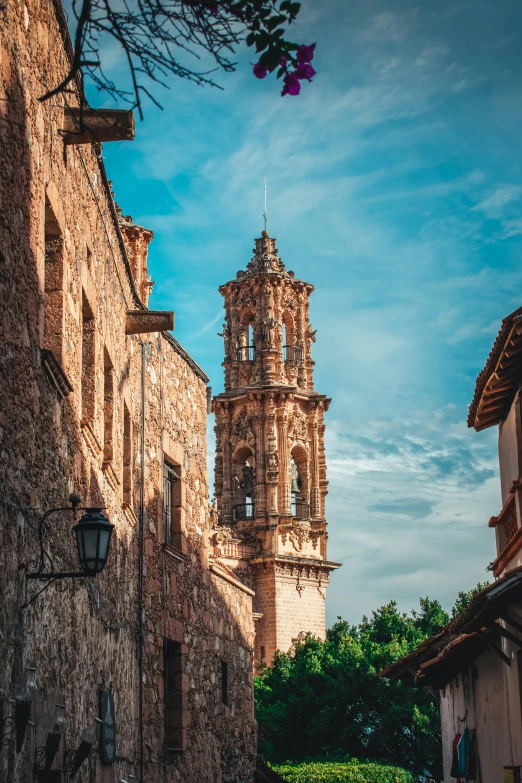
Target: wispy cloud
x,y
495,203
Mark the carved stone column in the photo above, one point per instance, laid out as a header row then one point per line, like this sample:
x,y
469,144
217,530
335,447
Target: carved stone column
x,y
315,495
260,499
301,342
284,462
227,472
272,475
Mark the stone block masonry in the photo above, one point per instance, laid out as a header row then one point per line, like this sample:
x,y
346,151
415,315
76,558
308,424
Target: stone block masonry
x,y
86,406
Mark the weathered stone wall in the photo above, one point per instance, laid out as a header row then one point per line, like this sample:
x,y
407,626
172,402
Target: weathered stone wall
x,y
65,285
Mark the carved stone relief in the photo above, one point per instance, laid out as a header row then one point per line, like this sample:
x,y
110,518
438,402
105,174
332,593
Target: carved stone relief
x,y
242,428
298,429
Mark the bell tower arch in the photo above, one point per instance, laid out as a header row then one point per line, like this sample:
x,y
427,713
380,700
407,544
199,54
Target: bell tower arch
x,y
270,481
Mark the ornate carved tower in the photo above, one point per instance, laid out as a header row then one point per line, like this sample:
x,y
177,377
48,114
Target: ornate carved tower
x,y
270,462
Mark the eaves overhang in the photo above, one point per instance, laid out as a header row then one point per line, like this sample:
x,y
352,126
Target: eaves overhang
x,y
501,377
439,659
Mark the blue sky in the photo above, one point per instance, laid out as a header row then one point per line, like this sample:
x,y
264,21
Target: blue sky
x,y
394,186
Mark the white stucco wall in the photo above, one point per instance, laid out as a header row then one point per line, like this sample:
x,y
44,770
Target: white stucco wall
x,y
487,694
508,449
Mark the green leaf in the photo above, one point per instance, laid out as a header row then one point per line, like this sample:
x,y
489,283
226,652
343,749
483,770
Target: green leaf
x,y
251,39
270,58
262,41
272,23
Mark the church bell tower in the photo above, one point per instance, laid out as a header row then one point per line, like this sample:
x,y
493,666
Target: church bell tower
x,y
270,462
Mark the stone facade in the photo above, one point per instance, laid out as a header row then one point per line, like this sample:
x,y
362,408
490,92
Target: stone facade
x,y
270,460
96,399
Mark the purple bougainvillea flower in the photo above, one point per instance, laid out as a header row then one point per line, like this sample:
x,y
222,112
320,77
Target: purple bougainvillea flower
x,y
305,54
283,61
304,71
292,85
259,71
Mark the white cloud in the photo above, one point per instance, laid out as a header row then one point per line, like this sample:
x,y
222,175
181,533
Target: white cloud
x,y
493,205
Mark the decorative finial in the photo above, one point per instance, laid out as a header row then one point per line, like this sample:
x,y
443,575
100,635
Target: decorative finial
x,y
264,213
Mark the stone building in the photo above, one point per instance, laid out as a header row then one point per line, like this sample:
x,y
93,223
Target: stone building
x,y
270,460
473,667
98,398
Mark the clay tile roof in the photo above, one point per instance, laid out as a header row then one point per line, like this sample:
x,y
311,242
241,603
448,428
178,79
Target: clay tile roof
x,y
498,382
438,659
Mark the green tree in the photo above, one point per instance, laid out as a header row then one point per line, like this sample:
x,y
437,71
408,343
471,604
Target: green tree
x,y
324,698
464,598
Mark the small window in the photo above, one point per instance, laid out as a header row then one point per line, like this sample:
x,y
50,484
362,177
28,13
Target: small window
x,y
54,293
88,363
173,699
224,682
171,504
127,456
108,408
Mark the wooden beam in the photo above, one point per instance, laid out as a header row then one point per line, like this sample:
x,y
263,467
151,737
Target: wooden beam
x,y
503,631
498,387
484,425
485,638
97,125
508,619
494,396
491,407
507,362
508,374
145,321
487,422
516,350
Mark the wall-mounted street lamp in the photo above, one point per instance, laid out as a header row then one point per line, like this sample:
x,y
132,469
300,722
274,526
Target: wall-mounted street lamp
x,y
93,537
88,742
23,708
54,725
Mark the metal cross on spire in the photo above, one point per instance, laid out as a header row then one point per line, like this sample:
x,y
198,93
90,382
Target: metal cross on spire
x,y
264,213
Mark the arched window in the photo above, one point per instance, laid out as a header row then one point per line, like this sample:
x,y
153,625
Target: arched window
x,y
299,486
243,484
246,350
291,352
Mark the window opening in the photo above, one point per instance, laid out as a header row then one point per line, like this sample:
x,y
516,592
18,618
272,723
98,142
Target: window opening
x,y
173,698
53,284
108,407
127,456
244,486
300,508
171,505
88,362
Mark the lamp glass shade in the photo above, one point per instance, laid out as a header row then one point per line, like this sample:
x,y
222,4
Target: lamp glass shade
x,y
90,734
93,537
28,689
55,723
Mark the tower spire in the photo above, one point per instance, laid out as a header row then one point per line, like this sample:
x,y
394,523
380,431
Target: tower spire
x,y
264,213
